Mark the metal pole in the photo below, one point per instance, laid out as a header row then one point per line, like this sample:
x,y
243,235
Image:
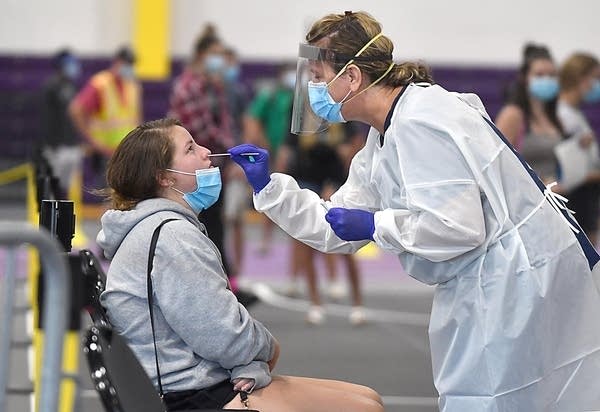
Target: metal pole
x,y
56,303
7,319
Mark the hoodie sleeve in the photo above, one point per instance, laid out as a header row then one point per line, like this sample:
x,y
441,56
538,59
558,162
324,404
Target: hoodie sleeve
x,y
191,289
257,370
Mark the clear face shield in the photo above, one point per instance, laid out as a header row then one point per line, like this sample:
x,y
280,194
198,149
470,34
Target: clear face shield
x,y
313,63
314,107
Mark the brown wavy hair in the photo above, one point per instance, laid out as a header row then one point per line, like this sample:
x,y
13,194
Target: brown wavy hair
x,y
134,168
347,33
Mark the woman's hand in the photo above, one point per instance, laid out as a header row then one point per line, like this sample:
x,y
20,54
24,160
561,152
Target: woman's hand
x,y
243,384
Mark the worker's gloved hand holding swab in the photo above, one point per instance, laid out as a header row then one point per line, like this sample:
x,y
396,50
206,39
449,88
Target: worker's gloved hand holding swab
x,y
254,161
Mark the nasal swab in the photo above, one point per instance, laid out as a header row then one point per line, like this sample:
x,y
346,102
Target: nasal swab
x,y
229,154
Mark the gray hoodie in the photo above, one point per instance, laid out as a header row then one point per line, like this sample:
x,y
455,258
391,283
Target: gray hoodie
x,y
203,335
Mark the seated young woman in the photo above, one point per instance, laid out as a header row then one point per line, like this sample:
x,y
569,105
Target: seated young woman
x,y
208,347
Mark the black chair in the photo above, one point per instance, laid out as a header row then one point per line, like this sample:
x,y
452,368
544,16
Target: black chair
x,y
118,377
94,280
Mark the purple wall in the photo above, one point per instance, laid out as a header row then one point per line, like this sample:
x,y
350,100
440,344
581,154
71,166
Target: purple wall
x,y
21,78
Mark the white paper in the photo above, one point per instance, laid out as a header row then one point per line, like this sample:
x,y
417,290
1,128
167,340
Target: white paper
x,y
575,161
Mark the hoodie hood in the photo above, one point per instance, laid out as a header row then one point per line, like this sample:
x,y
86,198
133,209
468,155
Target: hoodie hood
x,y
116,224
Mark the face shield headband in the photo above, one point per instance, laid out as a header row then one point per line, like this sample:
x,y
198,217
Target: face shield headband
x,y
311,60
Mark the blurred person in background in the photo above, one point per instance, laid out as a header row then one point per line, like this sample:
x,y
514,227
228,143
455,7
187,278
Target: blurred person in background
x,y
107,108
336,289
237,194
314,160
580,84
238,95
267,124
60,144
529,118
199,101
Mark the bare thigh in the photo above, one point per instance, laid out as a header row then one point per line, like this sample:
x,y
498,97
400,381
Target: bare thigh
x,y
297,394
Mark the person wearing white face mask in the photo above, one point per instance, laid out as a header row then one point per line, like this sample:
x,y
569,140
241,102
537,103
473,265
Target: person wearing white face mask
x,y
514,321
529,118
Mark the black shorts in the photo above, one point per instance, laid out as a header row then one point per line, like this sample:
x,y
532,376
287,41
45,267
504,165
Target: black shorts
x,y
585,202
216,397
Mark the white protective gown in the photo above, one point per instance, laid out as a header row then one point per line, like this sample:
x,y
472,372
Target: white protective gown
x,y
515,322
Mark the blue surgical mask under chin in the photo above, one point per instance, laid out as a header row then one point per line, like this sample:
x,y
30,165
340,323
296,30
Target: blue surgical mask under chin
x,y
544,88
593,95
208,188
323,104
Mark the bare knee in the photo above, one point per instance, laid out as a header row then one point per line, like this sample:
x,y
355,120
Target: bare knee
x,y
370,394
370,399
372,405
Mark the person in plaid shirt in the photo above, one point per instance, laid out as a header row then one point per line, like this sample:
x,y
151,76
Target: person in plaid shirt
x,y
199,99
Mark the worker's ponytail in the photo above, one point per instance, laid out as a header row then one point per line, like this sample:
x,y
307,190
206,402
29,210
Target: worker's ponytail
x,y
347,34
406,73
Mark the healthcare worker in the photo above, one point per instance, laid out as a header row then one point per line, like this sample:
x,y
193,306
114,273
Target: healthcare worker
x,y
514,322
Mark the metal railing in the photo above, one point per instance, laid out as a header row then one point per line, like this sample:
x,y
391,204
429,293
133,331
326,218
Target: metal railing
x,y
55,309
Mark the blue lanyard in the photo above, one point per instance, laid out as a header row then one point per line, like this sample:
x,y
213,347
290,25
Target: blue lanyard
x,y
588,249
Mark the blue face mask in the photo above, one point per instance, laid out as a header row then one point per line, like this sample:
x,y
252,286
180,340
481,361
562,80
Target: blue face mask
x,y
231,73
71,68
214,63
593,95
208,188
544,88
126,71
323,104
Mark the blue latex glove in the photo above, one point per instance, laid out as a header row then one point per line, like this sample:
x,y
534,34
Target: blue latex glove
x,y
351,224
255,167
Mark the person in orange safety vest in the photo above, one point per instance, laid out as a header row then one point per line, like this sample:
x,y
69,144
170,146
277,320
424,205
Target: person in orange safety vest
x,y
108,106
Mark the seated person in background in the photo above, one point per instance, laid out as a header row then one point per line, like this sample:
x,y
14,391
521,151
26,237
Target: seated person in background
x,y
208,347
